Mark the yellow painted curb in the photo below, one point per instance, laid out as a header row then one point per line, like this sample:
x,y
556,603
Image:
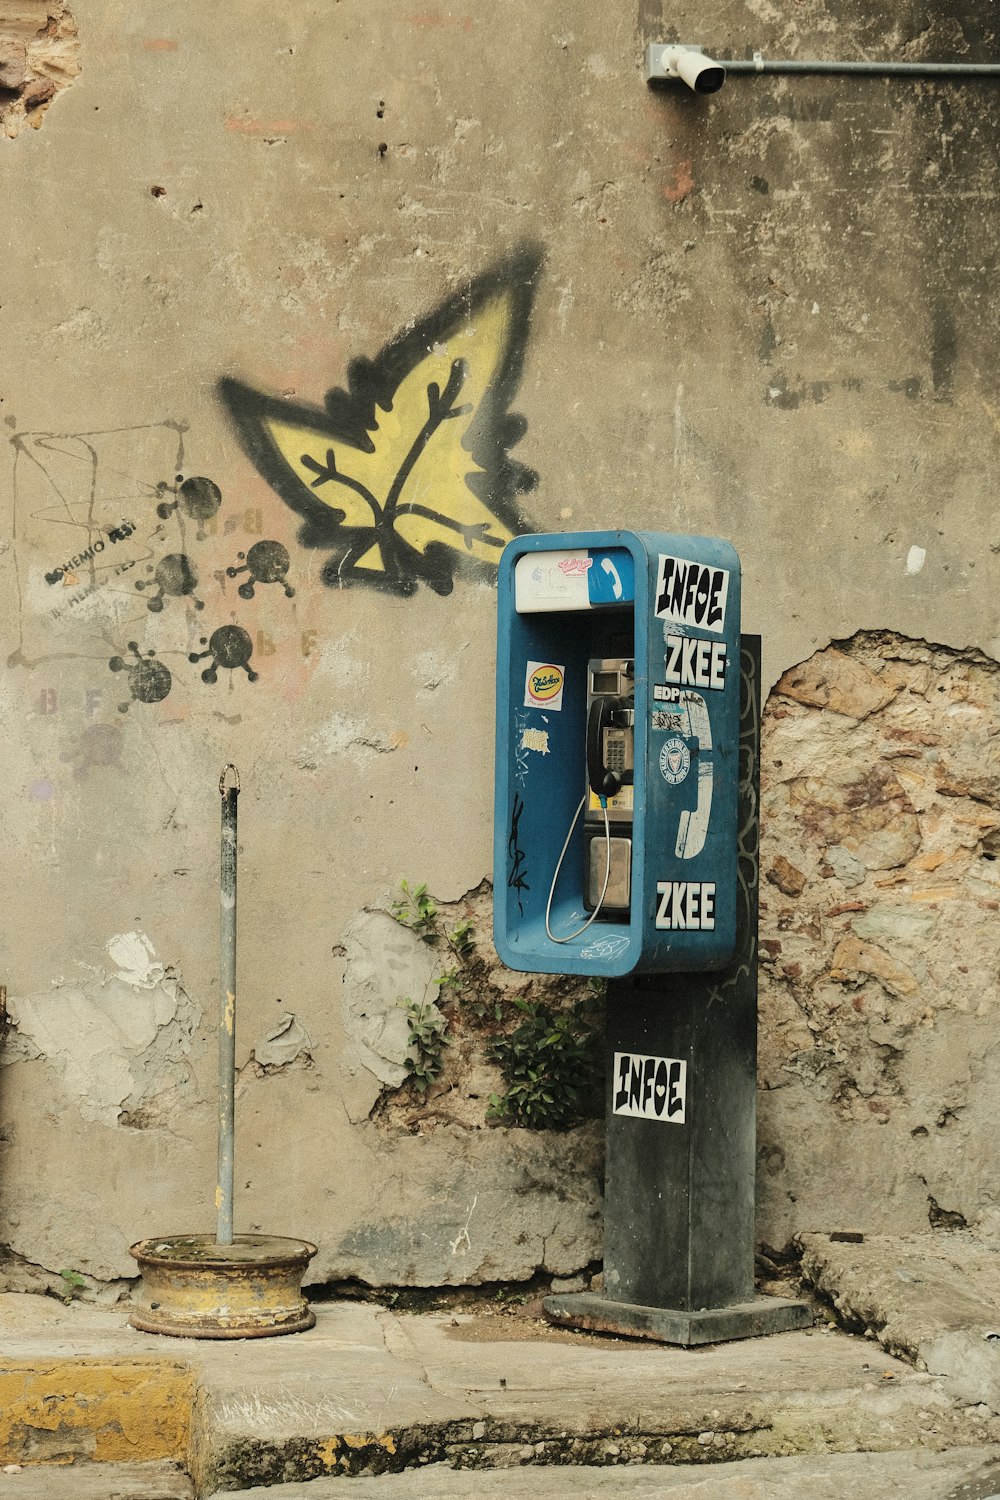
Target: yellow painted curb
x,y
99,1410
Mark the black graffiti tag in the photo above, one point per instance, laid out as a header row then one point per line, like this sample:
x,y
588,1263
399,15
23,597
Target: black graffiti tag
x,y
435,492
516,878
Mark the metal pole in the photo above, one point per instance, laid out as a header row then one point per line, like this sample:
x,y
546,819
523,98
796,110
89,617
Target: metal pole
x,y
659,66
227,1006
760,64
679,1197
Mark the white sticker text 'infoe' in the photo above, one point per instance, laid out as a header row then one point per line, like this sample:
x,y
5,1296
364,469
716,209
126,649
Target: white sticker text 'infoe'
x,y
650,1088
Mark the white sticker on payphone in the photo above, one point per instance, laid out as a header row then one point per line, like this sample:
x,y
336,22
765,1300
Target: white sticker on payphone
x,y
551,580
543,685
692,594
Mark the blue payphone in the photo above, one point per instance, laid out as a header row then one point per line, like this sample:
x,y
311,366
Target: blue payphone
x,y
617,753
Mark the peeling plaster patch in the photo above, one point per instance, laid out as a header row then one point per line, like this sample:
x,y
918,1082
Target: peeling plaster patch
x,y
136,960
119,1042
880,797
283,1043
915,559
386,964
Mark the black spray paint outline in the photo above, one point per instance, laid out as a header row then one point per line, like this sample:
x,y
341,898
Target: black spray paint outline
x,y
350,416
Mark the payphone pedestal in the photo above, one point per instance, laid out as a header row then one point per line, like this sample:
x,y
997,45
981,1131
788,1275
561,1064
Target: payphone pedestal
x,y
681,1131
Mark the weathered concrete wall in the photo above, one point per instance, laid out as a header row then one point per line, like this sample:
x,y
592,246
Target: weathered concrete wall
x,y
768,315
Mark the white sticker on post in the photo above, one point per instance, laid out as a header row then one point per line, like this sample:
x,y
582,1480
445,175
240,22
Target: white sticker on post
x,y
650,1088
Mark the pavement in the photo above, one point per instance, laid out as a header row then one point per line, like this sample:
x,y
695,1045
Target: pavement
x,y
379,1404
961,1474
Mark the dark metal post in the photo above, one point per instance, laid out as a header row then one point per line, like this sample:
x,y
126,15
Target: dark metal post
x,y
679,1190
227,1006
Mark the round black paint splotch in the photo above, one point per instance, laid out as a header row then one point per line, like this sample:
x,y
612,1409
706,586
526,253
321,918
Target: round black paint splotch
x,y
149,681
229,647
266,562
176,578
200,497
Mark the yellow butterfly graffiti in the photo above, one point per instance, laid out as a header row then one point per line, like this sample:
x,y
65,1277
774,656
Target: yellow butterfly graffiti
x,y
406,475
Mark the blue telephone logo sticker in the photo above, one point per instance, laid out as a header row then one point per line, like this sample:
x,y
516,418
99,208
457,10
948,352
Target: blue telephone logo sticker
x,y
611,577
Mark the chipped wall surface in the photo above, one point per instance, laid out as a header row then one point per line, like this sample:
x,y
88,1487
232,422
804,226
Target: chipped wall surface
x,y
304,318
880,944
118,1042
39,56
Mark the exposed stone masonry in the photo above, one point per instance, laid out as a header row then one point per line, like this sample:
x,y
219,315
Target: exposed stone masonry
x,y
880,940
39,56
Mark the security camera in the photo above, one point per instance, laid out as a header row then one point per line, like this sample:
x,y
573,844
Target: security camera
x,y
693,66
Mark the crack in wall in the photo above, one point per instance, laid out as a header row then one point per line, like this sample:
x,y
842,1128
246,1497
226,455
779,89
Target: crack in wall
x,y
68,1283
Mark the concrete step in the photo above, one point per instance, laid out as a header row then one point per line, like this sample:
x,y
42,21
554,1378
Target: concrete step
x,y
963,1474
87,1481
369,1392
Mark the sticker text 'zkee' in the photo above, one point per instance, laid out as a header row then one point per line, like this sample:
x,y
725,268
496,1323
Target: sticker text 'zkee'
x,y
691,661
686,905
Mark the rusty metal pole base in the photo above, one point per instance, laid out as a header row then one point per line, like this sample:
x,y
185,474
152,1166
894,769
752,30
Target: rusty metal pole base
x,y
195,1288
709,1325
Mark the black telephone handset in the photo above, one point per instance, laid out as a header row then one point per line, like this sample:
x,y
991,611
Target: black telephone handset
x,y
604,782
607,824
